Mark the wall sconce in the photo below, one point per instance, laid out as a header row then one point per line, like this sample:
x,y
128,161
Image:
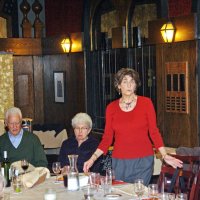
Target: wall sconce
x,y
168,31
67,44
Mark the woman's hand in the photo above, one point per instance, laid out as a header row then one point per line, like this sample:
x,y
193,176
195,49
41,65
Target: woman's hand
x,y
87,165
174,162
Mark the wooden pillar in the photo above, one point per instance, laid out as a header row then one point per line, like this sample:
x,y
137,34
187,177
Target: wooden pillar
x,y
38,25
26,25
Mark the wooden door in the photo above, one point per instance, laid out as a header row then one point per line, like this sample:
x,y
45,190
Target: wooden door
x,y
177,128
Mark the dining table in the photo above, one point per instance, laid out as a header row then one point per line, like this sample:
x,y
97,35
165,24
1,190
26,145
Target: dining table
x,y
124,192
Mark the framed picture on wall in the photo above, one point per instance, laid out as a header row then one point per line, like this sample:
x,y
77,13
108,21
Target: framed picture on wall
x,y
59,86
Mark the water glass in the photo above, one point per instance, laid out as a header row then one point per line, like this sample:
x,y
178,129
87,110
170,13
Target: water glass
x,y
17,184
153,190
106,185
88,191
171,196
182,196
94,179
167,196
110,174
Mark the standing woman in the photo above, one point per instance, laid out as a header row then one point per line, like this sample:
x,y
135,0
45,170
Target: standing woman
x,y
131,121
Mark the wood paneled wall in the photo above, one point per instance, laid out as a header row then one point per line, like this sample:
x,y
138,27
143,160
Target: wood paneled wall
x,y
178,129
75,99
34,87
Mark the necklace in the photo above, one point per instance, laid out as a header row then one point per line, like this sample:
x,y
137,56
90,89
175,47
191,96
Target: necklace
x,y
128,104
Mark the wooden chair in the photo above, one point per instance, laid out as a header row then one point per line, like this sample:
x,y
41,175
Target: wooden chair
x,y
181,179
190,163
195,190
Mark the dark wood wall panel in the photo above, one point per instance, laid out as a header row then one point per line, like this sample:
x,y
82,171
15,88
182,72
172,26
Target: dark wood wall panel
x,y
23,84
38,89
178,129
34,87
73,66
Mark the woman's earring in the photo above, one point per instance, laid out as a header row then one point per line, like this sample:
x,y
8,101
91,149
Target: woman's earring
x,y
119,92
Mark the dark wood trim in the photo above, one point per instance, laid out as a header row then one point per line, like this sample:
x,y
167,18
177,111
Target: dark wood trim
x,y
9,23
185,29
198,88
19,46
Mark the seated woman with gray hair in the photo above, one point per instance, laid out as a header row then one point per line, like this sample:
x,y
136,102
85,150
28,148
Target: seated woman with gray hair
x,y
80,143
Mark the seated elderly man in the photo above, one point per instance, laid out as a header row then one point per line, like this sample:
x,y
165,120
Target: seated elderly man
x,y
81,144
20,144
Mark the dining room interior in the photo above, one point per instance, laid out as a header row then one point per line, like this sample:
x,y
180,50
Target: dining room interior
x,y
58,58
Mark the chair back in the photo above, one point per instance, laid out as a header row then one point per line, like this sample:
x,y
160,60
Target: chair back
x,y
180,179
195,190
190,162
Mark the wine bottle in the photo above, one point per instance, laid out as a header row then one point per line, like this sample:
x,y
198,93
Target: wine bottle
x,y
5,169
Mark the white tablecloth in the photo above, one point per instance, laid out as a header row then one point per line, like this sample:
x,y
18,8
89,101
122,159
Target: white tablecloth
x,y
37,192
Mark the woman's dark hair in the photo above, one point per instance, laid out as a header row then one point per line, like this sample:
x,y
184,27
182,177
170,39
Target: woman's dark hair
x,y
122,73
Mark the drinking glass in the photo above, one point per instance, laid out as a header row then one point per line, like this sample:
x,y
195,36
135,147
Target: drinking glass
x,y
56,167
171,196
65,171
110,173
139,187
17,184
94,179
167,196
153,190
106,185
88,191
182,196
12,172
24,165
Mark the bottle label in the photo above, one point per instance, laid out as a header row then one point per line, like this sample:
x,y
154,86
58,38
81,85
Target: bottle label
x,y
2,171
5,154
9,173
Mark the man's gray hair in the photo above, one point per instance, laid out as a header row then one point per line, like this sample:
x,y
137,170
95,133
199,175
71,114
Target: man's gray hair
x,y
82,118
13,111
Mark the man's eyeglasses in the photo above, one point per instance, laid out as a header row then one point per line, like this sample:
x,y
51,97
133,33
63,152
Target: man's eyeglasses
x,y
14,123
81,129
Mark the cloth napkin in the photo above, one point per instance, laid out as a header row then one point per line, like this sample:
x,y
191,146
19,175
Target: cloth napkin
x,y
35,177
129,190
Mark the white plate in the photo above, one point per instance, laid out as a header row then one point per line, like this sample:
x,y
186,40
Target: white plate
x,y
113,196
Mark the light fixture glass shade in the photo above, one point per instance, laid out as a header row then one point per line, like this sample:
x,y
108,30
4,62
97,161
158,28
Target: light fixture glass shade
x,y
168,32
66,45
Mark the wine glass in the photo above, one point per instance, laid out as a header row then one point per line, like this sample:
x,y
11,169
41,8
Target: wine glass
x,y
56,167
139,187
153,190
24,165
